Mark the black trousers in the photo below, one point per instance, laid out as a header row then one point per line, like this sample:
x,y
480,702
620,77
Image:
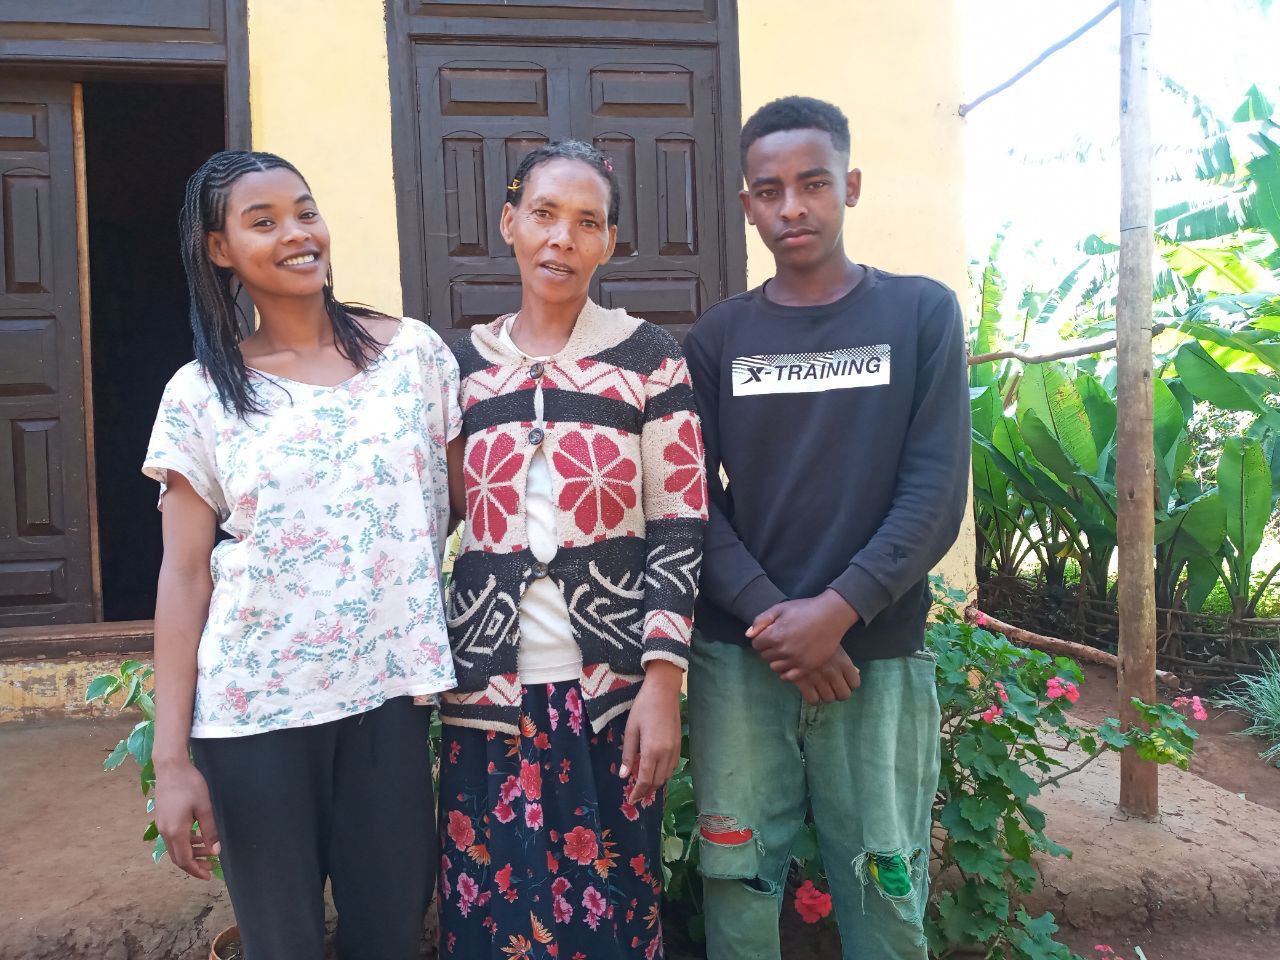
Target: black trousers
x,y
351,801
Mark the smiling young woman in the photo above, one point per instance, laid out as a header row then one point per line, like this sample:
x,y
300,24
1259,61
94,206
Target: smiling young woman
x,y
288,656
572,597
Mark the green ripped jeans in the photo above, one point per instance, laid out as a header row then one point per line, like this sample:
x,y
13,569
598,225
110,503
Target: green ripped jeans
x,y
868,767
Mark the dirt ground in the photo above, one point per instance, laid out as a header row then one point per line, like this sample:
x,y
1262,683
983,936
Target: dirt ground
x,y
1222,755
1200,885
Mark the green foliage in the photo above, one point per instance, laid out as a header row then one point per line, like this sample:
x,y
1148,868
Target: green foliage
x,y
1044,434
1006,736
132,678
1258,698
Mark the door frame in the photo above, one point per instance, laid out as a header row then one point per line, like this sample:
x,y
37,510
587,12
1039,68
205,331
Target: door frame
x,y
405,28
34,48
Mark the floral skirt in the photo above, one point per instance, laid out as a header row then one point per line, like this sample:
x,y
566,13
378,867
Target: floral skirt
x,y
541,854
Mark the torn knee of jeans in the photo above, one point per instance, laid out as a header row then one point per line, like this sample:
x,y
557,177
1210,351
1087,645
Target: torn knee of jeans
x,y
728,850
724,830
894,874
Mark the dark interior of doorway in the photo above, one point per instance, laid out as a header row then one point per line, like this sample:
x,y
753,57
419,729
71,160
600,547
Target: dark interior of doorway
x,y
142,142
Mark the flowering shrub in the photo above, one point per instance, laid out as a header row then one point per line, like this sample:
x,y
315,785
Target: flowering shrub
x,y
1005,737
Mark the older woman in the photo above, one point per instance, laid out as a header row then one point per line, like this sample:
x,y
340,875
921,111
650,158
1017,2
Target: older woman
x,y
572,597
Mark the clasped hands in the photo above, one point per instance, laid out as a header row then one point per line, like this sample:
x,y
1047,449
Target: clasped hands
x,y
800,640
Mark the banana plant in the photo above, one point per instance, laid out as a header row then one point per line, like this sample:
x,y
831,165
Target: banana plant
x,y
1044,434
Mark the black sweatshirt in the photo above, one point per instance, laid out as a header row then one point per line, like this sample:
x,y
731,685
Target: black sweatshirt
x,y
844,432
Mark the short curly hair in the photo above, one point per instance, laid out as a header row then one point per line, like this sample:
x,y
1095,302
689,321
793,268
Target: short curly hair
x,y
796,113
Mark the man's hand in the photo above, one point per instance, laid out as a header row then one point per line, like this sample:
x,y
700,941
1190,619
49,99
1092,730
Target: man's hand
x,y
797,637
834,680
651,743
182,798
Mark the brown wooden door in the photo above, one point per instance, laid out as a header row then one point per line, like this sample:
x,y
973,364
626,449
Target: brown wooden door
x,y
45,574
651,108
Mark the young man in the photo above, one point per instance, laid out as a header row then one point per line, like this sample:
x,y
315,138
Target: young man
x,y
835,398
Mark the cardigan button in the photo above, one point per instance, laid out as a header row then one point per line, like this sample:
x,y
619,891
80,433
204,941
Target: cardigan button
x,y
540,570
536,436
536,370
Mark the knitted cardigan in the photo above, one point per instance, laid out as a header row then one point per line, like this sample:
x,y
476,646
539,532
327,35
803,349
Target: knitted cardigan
x,y
624,447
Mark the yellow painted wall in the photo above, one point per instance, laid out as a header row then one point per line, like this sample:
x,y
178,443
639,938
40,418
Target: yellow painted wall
x,y
894,69
319,95
45,689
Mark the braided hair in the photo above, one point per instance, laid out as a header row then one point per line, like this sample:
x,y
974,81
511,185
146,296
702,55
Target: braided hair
x,y
567,150
213,289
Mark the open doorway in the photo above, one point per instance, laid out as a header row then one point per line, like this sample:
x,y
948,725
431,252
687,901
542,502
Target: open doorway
x,y
142,142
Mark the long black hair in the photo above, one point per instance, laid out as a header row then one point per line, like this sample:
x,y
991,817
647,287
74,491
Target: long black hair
x,y
567,150
213,289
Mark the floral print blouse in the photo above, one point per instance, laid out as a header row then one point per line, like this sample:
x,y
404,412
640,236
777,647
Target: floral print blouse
x,y
327,596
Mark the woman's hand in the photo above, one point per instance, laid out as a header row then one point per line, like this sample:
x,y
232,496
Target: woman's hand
x,y
182,605
651,744
182,799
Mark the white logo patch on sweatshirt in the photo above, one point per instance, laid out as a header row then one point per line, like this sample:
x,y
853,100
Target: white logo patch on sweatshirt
x,y
811,372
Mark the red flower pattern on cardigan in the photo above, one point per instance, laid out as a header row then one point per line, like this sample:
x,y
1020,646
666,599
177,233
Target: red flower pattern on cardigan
x,y
491,495
686,456
598,486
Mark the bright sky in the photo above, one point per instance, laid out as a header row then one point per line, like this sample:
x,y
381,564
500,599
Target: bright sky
x,y
1022,144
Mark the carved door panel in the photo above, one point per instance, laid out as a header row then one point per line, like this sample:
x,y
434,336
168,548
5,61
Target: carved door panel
x,y
653,112
481,110
45,570
651,109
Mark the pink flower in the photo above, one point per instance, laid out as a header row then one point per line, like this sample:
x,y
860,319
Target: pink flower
x,y
509,790
502,810
573,701
468,889
559,887
1000,689
629,811
989,715
562,910
980,619
811,903
593,901
533,816
1058,687
1103,948
237,699
1197,709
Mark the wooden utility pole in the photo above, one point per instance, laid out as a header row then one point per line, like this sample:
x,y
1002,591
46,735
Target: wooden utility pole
x,y
1135,467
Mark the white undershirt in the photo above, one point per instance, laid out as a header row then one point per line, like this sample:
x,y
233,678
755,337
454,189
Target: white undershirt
x,y
548,653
